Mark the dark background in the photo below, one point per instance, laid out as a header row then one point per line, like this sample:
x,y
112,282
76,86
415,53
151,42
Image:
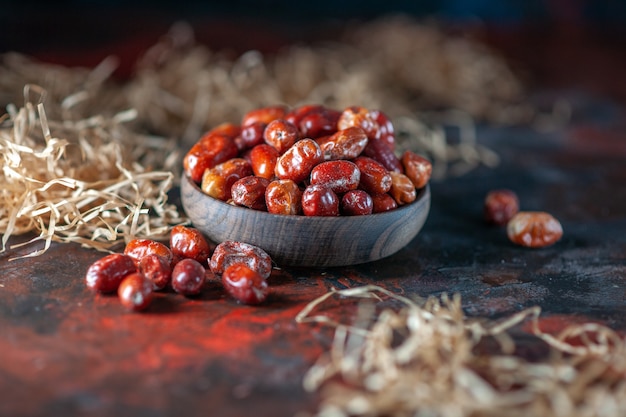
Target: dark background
x,y
498,11
586,36
39,25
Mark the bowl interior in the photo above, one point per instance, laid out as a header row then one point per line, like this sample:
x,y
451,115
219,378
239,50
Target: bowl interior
x,y
307,241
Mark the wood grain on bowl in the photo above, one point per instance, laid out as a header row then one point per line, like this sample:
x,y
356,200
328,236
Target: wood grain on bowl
x,y
307,241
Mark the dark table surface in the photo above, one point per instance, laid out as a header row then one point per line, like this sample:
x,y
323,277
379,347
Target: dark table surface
x,y
66,351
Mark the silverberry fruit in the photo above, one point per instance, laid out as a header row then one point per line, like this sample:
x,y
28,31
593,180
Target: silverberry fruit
x,y
245,284
188,277
135,292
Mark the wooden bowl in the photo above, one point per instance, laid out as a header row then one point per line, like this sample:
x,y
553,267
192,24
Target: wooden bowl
x,y
307,241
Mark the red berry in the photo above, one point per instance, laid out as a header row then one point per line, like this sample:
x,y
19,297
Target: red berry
x,y
188,277
106,274
135,292
244,284
157,270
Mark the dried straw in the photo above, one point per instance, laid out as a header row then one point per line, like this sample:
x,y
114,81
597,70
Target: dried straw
x,y
422,360
85,181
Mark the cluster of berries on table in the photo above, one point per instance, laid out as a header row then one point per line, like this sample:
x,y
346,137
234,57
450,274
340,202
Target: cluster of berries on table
x,y
185,266
532,229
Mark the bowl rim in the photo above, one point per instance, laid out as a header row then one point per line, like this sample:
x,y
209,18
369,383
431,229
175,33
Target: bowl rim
x,y
421,194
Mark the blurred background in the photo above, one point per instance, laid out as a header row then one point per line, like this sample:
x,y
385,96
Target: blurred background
x,y
599,12
586,36
34,25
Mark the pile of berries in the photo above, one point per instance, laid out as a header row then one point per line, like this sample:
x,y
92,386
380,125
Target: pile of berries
x,y
147,266
311,160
